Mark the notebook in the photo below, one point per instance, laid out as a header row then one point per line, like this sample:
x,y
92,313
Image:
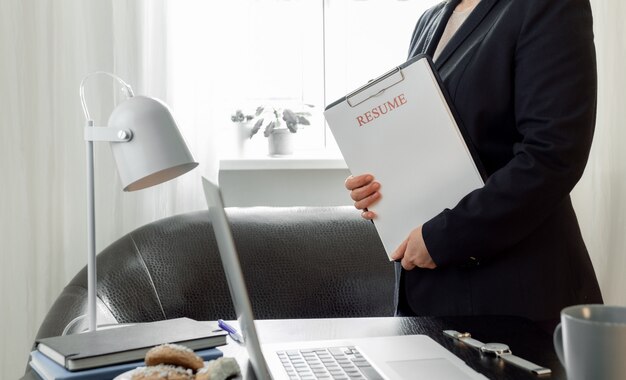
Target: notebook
x,y
48,369
401,129
393,357
128,343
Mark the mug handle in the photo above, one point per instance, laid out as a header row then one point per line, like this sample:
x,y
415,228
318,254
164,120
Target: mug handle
x,y
558,343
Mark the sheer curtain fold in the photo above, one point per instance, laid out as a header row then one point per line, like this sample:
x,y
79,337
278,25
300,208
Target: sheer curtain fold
x,y
46,48
600,197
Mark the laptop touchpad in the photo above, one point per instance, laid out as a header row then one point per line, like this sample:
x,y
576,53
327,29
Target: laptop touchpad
x,y
438,368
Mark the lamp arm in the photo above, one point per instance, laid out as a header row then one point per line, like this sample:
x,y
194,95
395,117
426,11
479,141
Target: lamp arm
x,y
126,87
96,134
91,237
107,134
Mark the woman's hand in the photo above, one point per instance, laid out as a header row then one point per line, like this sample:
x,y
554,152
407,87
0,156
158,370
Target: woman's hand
x,y
413,252
364,191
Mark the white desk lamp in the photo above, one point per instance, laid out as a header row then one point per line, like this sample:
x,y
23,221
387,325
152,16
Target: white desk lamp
x,y
148,150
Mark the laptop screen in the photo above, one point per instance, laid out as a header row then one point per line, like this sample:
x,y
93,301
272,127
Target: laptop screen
x,y
234,276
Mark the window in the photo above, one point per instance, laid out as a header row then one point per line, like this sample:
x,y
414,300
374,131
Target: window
x,y
363,40
293,52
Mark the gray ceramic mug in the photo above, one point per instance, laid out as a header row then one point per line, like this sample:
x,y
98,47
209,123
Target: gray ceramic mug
x,y
591,342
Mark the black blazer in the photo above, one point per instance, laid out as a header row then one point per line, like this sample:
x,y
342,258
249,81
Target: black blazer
x,y
522,77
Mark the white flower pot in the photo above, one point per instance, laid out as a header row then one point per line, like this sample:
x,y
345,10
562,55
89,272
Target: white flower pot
x,y
244,145
243,136
280,142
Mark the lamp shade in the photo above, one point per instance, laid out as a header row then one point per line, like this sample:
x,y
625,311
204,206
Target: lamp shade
x,y
156,152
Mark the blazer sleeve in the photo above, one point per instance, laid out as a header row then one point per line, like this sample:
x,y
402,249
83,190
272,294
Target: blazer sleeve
x,y
555,89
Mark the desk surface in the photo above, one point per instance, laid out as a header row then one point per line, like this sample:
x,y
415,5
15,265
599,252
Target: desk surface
x,y
523,337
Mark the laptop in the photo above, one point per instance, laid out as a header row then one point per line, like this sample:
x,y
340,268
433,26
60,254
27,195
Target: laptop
x,y
392,357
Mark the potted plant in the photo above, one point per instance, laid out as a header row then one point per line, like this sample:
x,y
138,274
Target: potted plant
x,y
243,123
278,125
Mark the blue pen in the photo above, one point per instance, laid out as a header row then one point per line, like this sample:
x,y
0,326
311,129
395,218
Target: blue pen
x,y
230,330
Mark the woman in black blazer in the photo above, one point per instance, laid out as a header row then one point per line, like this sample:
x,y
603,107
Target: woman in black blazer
x,y
522,77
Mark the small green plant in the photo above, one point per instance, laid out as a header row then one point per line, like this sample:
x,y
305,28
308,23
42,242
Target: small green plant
x,y
240,117
272,119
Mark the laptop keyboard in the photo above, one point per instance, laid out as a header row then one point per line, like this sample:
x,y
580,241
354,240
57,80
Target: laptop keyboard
x,y
341,363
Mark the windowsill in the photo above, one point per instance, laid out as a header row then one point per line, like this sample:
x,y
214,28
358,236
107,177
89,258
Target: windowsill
x,y
297,161
311,178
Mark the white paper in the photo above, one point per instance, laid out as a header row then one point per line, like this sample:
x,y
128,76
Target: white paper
x,y
413,148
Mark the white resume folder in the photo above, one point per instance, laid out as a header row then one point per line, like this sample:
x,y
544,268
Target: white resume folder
x,y
400,128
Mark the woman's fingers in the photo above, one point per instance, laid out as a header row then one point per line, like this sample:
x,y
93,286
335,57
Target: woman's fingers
x,y
414,252
398,254
365,191
367,214
354,182
366,202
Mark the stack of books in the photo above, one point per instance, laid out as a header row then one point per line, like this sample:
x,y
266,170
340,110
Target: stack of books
x,y
104,354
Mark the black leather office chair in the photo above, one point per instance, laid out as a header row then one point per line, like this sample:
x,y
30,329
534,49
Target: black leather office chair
x,y
309,262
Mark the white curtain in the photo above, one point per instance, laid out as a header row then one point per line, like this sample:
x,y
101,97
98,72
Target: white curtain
x,y
169,51
46,48
600,197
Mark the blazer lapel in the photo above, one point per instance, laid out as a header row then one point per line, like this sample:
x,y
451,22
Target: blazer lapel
x,y
474,19
426,37
439,26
